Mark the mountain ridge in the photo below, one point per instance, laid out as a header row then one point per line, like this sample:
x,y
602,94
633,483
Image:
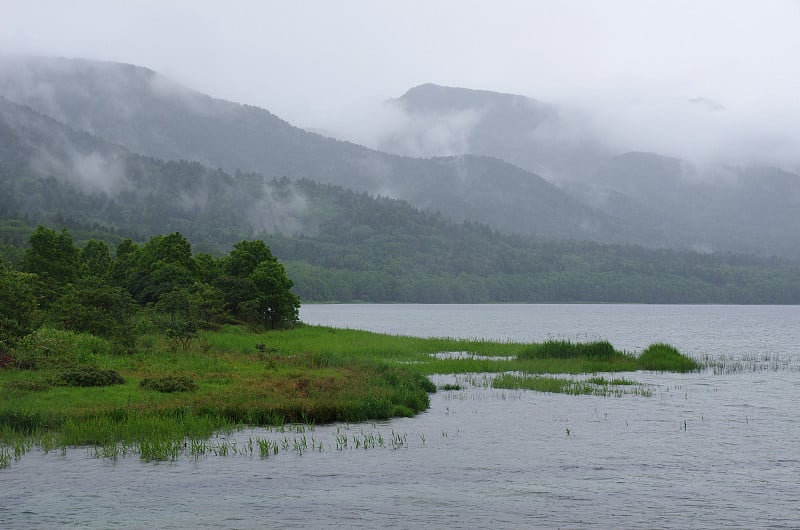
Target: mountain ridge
x,y
158,119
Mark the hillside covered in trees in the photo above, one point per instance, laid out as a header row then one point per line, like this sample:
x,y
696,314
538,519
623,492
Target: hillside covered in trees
x,y
364,248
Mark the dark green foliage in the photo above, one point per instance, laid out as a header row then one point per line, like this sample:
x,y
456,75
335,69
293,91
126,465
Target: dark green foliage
x,y
273,302
207,305
90,376
559,349
180,332
17,304
245,257
169,384
53,256
663,357
162,266
96,259
175,304
97,308
101,296
48,348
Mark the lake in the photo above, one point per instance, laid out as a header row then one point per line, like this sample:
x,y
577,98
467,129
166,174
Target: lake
x,y
714,449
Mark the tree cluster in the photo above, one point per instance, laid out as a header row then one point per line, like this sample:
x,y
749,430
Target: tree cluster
x,y
89,290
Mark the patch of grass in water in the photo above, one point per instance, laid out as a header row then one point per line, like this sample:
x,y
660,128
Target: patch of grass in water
x,y
596,386
563,349
666,358
540,383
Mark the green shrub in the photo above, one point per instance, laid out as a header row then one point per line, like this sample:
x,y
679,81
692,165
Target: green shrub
x,y
663,357
170,383
90,376
52,348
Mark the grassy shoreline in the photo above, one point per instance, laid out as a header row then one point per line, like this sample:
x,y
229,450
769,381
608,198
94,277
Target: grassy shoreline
x,y
232,377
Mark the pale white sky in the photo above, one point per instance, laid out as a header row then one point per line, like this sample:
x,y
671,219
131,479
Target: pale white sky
x,y
635,63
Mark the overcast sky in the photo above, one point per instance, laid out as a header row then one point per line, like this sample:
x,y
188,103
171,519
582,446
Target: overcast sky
x,y
726,71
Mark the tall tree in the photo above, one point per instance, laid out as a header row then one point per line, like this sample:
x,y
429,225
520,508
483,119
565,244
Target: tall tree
x,y
273,302
53,256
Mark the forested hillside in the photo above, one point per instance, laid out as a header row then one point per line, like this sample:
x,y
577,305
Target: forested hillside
x,y
363,248
151,115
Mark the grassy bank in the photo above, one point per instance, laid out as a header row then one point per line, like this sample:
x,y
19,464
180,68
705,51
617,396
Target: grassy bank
x,y
232,377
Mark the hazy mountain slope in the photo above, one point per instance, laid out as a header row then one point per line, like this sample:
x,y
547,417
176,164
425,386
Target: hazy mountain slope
x,y
52,173
341,245
537,136
741,209
750,209
147,113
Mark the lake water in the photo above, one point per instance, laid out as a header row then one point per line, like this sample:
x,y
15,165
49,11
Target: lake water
x,y
707,450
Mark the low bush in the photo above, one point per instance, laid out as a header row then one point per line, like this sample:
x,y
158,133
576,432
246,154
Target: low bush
x,y
90,376
52,348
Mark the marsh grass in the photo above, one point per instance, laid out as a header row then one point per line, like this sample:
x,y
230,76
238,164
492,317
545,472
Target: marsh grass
x,y
665,358
309,374
561,349
596,385
617,381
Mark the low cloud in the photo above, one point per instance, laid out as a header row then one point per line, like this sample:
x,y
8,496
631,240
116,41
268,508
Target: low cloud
x,y
281,209
427,135
90,172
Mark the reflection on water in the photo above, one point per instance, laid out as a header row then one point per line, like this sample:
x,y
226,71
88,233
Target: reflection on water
x,y
711,449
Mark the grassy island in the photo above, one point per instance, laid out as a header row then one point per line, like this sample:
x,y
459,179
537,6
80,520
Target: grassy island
x,y
67,388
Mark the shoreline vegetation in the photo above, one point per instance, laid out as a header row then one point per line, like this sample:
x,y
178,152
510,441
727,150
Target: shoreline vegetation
x,y
160,347
75,389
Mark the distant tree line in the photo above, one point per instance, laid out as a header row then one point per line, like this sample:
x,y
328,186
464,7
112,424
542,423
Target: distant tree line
x,y
350,246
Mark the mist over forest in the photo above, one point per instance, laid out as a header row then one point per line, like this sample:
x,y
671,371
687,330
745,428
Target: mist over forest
x,y
476,196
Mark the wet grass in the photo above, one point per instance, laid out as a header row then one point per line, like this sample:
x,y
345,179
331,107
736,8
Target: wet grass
x,y
595,386
231,377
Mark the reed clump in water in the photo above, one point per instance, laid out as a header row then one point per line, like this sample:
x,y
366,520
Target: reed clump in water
x,y
562,349
665,358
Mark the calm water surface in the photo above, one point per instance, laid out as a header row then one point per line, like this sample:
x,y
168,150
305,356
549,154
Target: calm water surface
x,y
715,449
